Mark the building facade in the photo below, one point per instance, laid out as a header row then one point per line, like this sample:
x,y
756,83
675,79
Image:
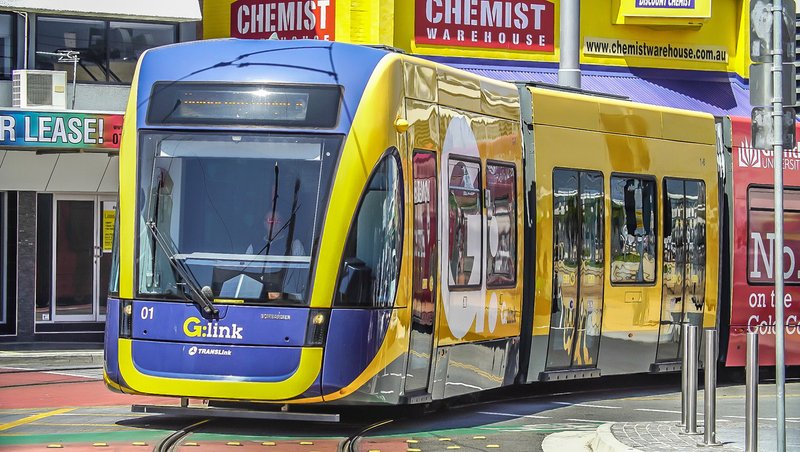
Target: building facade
x,y
65,74
688,54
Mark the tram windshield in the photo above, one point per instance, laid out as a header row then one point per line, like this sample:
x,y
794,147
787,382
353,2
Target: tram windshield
x,y
241,214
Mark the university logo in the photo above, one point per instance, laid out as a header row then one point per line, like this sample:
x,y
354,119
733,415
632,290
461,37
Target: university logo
x,y
749,157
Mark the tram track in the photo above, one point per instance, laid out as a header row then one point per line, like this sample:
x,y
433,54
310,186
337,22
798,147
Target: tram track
x,y
170,443
349,444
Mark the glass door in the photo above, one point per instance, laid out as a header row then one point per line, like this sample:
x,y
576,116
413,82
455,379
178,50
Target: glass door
x,y
424,272
683,294
578,269
82,239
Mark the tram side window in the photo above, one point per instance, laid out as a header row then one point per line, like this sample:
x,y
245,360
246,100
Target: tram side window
x,y
371,264
464,223
633,230
501,269
761,235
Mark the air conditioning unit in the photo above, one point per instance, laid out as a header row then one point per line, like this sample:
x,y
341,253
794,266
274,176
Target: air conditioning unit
x,y
39,89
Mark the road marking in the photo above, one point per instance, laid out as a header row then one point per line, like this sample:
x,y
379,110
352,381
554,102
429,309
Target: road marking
x,y
592,421
530,416
33,418
658,411
789,419
61,424
588,405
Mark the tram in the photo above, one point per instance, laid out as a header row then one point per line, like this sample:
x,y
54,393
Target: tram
x,y
748,226
314,222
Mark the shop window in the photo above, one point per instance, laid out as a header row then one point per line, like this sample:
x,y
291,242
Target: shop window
x,y
465,226
8,45
107,51
3,239
633,230
372,255
501,218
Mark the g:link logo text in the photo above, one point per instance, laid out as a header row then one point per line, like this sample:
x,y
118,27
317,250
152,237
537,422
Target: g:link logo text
x,y
193,328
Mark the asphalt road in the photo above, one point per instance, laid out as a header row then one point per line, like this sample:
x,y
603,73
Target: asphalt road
x,y
72,409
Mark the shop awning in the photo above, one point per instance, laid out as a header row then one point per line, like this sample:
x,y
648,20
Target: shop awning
x,y
151,10
710,92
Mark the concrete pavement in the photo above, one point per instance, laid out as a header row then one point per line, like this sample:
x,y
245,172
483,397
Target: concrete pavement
x,y
667,435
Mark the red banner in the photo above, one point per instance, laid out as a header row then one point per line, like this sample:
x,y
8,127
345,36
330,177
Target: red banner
x,y
753,256
287,19
498,24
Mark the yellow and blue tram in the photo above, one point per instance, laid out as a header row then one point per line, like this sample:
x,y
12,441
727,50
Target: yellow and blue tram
x,y
307,222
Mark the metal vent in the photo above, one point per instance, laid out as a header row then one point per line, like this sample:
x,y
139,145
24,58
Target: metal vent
x,y
40,89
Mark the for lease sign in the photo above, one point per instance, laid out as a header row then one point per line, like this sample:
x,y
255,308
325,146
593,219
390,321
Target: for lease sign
x,y
38,129
499,24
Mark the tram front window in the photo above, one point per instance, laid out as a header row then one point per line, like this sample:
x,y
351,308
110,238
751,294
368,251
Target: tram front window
x,y
236,214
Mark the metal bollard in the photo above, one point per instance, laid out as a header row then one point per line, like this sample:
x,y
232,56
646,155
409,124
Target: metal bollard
x,y
691,381
751,394
710,393
684,364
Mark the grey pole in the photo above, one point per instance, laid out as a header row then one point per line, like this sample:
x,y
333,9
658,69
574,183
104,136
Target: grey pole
x,y
751,393
569,69
777,148
684,381
710,393
691,388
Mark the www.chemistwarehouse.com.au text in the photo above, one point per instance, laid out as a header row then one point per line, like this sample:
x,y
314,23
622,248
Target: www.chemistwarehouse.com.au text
x,y
617,47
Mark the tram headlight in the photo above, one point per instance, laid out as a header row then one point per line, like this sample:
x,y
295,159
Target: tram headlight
x,y
317,328
126,319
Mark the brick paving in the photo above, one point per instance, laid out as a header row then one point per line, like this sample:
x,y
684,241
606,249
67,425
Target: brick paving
x,y
662,436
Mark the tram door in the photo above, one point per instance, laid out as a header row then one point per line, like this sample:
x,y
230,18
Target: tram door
x,y
578,262
683,294
424,263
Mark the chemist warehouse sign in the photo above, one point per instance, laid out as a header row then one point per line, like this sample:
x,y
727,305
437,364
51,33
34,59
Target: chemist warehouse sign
x,y
71,130
498,24
286,19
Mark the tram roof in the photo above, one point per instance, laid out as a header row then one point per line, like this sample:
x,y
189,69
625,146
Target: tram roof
x,y
261,61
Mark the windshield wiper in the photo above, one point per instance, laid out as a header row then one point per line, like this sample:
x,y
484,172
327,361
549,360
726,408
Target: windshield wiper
x,y
275,236
200,296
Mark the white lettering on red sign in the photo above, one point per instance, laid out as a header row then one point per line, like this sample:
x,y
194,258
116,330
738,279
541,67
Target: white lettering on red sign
x,y
287,19
505,24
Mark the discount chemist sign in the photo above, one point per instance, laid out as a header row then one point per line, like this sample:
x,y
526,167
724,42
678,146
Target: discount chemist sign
x,y
71,130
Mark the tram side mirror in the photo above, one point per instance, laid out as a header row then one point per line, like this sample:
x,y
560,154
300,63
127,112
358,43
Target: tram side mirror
x,y
355,283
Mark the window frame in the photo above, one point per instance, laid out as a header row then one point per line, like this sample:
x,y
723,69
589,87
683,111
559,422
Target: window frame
x,y
107,50
114,273
3,256
515,235
481,207
393,152
747,247
13,46
656,232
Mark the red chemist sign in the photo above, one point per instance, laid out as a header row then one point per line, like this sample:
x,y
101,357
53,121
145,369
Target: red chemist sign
x,y
287,19
496,24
